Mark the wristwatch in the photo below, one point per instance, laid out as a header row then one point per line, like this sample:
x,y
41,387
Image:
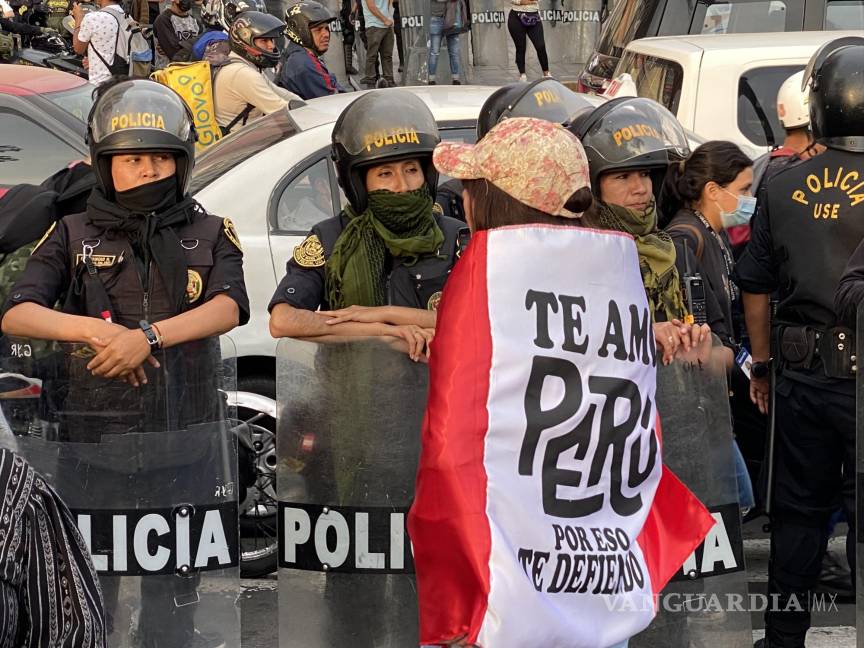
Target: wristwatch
x,y
152,338
760,369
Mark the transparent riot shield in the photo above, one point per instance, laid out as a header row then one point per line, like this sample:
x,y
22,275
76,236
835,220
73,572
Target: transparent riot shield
x,y
570,29
149,472
707,604
416,16
348,446
859,481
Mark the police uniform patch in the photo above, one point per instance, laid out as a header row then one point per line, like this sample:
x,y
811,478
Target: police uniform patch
x,y
231,233
99,260
194,287
434,301
45,236
310,253
437,209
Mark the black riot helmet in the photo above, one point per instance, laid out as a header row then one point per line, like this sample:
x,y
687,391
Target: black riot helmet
x,y
542,99
139,115
630,133
382,126
302,17
249,25
836,77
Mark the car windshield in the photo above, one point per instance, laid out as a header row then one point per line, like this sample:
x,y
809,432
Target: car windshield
x,y
240,146
628,20
656,78
76,102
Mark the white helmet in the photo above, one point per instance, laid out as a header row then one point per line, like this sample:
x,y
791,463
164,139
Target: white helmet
x,y
793,106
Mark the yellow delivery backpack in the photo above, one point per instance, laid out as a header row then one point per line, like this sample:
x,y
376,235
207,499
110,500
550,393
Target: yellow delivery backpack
x,y
193,82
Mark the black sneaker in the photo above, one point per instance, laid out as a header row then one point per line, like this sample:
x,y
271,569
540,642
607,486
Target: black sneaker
x,y
457,82
432,83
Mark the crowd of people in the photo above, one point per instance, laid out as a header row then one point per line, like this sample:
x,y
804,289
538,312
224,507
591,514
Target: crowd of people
x,y
752,233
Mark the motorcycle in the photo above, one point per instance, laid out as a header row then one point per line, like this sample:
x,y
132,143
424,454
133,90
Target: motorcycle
x,y
52,50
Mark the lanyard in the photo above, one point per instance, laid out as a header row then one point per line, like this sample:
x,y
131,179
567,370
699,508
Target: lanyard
x,y
728,260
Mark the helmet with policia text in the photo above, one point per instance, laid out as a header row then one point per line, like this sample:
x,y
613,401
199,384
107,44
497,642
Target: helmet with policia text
x,y
630,133
250,25
793,104
302,17
382,126
835,75
222,13
140,115
543,99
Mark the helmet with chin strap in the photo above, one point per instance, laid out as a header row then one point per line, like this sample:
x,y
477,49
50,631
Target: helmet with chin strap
x,y
140,116
302,17
249,26
382,126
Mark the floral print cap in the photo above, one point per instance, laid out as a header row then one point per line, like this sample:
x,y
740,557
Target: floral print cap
x,y
536,162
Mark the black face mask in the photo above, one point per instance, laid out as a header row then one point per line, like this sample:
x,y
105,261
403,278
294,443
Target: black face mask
x,y
151,197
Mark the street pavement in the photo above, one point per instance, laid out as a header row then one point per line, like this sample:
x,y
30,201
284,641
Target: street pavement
x,y
833,628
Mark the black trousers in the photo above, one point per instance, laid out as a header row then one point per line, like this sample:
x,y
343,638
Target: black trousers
x,y
518,33
814,464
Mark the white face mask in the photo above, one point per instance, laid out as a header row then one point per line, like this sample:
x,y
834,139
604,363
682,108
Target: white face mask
x,y
744,211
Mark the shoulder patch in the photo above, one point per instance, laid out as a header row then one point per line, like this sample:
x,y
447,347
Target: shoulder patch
x,y
437,209
310,253
45,236
231,232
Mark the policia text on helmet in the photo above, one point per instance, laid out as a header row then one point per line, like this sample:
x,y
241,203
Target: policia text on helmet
x,y
308,25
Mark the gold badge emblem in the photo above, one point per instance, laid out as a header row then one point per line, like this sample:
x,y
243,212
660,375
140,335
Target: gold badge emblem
x,y
434,301
310,253
194,287
437,209
45,236
99,260
231,233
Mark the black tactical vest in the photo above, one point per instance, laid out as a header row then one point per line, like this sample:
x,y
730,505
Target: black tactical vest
x,y
418,285
97,406
123,275
816,212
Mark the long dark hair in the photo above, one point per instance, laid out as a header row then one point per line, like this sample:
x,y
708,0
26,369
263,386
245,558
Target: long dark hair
x,y
493,207
717,161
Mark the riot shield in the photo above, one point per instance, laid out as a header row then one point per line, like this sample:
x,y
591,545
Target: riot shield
x,y
707,603
348,447
859,481
570,29
150,474
415,33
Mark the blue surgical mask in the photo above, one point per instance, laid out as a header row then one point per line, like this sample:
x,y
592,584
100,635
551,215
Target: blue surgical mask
x,y
744,211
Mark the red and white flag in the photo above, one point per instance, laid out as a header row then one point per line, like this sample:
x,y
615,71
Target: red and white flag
x,y
543,515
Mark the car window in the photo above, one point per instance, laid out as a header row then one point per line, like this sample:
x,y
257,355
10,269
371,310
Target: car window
x,y
844,14
628,20
757,103
744,17
305,201
240,146
656,78
28,152
76,101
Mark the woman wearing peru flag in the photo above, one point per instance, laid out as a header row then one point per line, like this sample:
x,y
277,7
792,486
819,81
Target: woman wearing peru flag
x,y
543,514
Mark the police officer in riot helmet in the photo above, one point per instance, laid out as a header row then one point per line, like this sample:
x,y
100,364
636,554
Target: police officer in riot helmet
x,y
143,273
811,222
380,266
630,143
302,70
545,99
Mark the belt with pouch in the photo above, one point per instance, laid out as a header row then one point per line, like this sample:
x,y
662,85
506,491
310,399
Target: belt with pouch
x,y
805,347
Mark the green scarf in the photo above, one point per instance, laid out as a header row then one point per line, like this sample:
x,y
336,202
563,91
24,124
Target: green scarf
x,y
399,223
656,256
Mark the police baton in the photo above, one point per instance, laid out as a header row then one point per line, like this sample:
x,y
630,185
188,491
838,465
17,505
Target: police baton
x,y
769,448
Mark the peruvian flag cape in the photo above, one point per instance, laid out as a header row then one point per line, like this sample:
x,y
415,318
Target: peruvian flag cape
x,y
543,514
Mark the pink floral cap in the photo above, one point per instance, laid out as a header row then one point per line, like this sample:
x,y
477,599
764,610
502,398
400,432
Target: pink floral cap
x,y
536,162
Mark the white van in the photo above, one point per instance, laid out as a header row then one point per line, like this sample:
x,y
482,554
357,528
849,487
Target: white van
x,y
723,86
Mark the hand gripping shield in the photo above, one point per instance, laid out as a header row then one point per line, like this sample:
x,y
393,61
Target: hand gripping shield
x,y
348,445
150,475
707,604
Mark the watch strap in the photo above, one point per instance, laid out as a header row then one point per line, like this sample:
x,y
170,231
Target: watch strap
x,y
152,338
